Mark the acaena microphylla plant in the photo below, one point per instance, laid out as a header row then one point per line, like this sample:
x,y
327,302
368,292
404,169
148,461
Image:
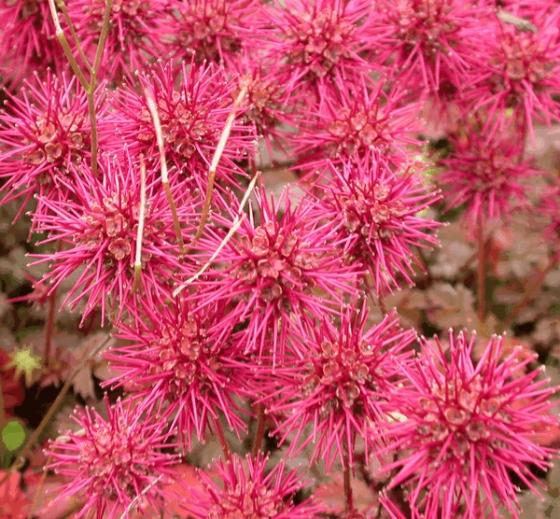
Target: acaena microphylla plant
x,y
377,216
213,30
466,431
315,41
356,121
27,40
485,174
135,37
245,489
518,70
193,102
44,132
97,235
113,463
335,387
175,355
429,44
279,265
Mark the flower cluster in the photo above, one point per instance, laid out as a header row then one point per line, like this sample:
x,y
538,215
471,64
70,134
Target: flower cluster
x,y
112,462
334,390
146,145
467,427
247,489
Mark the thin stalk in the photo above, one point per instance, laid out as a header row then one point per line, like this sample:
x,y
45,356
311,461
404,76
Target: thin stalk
x,y
49,327
93,128
61,37
216,160
102,39
88,86
90,91
259,433
64,10
140,231
54,406
347,475
222,438
233,229
152,107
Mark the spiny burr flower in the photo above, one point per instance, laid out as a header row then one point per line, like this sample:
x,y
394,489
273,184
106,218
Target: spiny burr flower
x,y
485,174
314,41
519,70
112,463
335,388
353,123
428,44
27,36
212,30
245,489
193,103
377,214
173,354
97,235
135,33
279,264
466,429
44,131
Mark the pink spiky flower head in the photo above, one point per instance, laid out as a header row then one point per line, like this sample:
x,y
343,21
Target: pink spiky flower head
x,y
377,214
193,103
278,265
315,41
98,233
485,175
354,122
213,30
28,36
135,36
173,354
465,429
44,131
245,489
428,44
519,70
334,390
115,463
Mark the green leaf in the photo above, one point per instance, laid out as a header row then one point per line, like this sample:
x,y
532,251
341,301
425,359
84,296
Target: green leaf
x,y
13,435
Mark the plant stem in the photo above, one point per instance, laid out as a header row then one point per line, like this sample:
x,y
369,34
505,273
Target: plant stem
x,y
481,270
216,160
233,229
102,39
349,504
259,433
61,37
222,438
152,108
140,231
90,93
49,327
88,86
